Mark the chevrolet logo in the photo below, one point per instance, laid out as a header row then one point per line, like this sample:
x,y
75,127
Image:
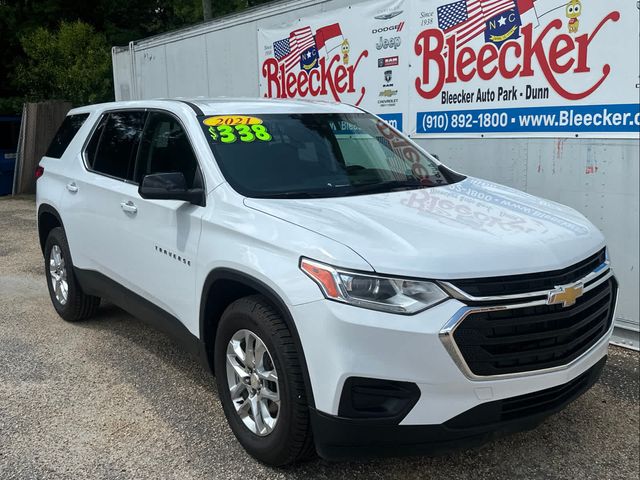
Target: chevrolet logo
x,y
566,294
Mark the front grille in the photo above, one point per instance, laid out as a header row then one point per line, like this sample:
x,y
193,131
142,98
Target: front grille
x,y
532,282
534,338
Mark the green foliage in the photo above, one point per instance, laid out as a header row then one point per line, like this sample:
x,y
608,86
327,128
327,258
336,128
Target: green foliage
x,y
32,63
11,105
71,63
224,7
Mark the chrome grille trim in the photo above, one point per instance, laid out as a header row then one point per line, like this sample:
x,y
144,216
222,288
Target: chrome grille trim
x,y
600,275
459,294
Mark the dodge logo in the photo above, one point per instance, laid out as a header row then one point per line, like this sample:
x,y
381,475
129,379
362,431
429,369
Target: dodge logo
x,y
566,295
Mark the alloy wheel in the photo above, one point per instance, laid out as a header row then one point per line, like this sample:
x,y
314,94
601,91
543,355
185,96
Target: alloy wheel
x,y
58,274
253,382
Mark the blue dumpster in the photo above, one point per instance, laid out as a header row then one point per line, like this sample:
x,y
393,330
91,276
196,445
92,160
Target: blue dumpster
x,y
9,131
7,167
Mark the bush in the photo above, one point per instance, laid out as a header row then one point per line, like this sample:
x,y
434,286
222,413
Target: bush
x,y
72,63
11,105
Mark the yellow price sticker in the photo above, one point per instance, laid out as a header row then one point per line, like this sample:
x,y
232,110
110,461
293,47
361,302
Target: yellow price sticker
x,y
230,120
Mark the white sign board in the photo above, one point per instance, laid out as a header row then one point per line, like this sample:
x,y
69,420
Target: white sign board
x,y
355,55
506,68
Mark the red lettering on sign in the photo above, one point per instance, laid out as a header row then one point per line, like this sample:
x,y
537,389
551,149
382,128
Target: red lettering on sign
x,y
564,54
331,78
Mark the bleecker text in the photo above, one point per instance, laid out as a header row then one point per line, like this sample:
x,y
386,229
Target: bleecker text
x,y
332,77
564,54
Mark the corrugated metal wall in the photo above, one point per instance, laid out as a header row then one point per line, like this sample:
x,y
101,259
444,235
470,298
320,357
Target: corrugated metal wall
x,y
599,178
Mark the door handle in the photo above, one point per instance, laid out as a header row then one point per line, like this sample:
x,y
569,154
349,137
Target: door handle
x,y
129,207
72,187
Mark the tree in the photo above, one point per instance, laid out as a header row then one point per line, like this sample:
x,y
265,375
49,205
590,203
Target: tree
x,y
120,21
116,22
224,7
70,63
206,9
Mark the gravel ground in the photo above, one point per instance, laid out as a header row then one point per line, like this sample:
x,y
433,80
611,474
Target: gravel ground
x,y
112,398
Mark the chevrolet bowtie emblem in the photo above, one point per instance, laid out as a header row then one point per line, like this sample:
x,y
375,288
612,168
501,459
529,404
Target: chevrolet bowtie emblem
x,y
566,294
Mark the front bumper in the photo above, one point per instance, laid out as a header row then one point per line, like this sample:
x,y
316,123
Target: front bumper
x,y
341,341
340,438
442,400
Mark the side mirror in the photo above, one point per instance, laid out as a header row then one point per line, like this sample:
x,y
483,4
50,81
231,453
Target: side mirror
x,y
170,186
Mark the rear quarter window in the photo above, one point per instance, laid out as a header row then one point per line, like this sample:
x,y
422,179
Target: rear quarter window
x,y
65,134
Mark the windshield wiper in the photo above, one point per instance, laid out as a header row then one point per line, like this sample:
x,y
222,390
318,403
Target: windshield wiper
x,y
290,195
344,190
383,187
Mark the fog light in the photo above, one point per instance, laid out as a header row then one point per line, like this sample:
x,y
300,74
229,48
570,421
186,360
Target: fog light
x,y
373,398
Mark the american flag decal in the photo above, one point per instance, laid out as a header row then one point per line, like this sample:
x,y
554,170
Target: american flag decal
x,y
288,50
452,14
281,48
466,18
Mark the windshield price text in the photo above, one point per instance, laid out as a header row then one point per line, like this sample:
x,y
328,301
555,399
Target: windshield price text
x,y
244,133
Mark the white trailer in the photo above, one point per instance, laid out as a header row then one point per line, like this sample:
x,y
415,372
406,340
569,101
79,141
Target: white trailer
x,y
595,171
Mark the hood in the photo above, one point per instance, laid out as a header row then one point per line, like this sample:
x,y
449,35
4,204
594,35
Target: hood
x,y
473,228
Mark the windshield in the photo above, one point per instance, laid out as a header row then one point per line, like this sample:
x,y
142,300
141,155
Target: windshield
x,y
317,155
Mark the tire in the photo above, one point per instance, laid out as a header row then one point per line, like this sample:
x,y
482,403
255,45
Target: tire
x,y
76,306
290,439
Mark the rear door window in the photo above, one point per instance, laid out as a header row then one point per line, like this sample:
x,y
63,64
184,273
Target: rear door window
x,y
65,134
114,145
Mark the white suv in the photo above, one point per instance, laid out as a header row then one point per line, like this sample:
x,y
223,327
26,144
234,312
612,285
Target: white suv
x,y
352,294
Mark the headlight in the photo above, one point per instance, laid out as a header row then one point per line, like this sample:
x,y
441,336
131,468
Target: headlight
x,y
394,295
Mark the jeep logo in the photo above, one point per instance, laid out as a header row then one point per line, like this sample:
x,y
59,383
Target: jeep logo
x,y
384,43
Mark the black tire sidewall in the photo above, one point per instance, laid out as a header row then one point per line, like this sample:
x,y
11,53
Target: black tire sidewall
x,y
273,448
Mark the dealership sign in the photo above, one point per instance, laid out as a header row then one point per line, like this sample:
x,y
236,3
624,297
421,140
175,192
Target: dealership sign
x,y
468,67
355,55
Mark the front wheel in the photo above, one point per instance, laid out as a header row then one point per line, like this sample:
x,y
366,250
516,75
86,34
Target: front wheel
x,y
260,383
